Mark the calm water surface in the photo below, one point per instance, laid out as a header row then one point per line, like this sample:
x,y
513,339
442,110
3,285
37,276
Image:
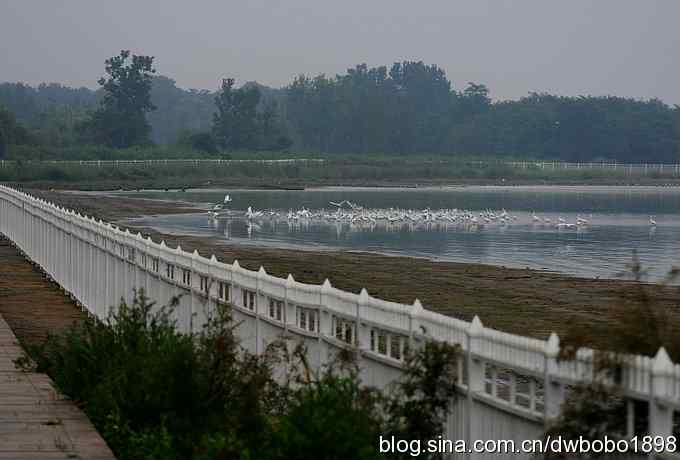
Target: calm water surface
x,y
619,225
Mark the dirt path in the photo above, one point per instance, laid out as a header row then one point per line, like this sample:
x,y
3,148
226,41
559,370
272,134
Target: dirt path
x,y
32,305
526,302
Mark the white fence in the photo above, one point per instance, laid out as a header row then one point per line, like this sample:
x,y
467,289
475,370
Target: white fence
x,y
161,162
510,386
625,169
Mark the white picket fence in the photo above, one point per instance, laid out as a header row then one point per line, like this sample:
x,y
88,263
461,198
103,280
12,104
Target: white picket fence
x,y
162,162
510,386
625,169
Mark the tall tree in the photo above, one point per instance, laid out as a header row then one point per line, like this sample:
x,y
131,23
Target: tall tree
x,y
178,110
120,121
235,123
423,95
11,132
272,133
475,99
3,143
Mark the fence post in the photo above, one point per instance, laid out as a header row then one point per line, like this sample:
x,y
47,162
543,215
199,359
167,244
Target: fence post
x,y
128,295
286,307
553,390
177,285
148,271
362,303
660,413
213,291
475,373
192,294
258,293
323,308
413,315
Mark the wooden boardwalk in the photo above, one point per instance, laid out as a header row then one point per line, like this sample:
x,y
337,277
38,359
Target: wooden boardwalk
x,y
36,422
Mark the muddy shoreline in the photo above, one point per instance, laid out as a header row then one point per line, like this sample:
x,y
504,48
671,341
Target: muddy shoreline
x,y
33,306
521,301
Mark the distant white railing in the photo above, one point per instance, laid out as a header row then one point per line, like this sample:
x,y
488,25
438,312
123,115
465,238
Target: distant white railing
x,y
511,386
160,162
625,169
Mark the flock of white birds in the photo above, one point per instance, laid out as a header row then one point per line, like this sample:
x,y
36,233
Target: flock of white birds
x,y
352,213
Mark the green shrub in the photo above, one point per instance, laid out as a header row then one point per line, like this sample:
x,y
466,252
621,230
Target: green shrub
x,y
133,373
155,393
332,418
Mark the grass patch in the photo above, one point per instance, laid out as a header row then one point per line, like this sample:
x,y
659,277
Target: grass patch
x,y
332,171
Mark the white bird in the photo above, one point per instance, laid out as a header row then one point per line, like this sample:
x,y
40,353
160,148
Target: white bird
x,y
652,222
227,199
215,211
250,214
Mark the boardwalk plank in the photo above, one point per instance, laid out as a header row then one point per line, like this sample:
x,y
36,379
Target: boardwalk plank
x,y
36,421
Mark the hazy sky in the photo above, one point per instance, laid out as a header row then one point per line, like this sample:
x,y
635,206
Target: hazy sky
x,y
622,47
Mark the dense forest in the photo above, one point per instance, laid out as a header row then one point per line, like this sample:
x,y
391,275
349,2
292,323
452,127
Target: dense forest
x,y
409,108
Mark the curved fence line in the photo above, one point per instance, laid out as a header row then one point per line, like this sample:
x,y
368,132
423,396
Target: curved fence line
x,y
513,385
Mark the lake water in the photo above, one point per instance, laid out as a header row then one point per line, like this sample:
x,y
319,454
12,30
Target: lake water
x,y
619,224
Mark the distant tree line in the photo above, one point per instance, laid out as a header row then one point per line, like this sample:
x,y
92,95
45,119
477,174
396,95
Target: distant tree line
x,y
408,108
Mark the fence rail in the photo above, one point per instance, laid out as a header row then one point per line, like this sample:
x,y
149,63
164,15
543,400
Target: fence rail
x,y
511,386
626,169
158,162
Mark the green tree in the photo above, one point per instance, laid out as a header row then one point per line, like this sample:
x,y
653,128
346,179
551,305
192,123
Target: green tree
x,y
473,100
11,132
273,135
20,99
235,124
200,141
3,143
178,110
245,121
423,97
120,121
304,103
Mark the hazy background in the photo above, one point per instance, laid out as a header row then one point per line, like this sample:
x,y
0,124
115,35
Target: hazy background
x,y
621,47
